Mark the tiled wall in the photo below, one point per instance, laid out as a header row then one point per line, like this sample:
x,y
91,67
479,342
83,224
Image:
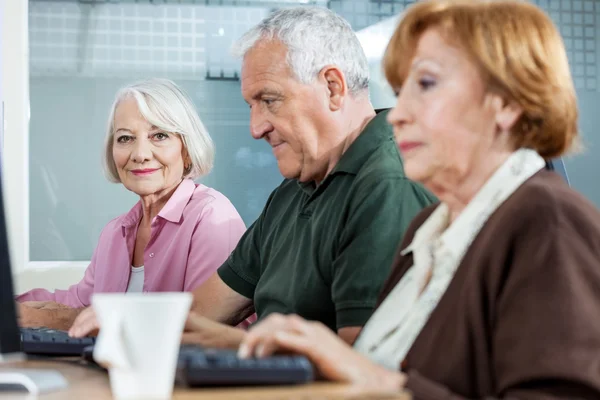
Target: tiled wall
x,y
365,13
129,40
578,21
189,41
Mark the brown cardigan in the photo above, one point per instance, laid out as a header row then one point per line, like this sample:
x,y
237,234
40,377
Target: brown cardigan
x,y
521,317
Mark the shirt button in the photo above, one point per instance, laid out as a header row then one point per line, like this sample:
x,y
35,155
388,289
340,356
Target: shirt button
x,y
151,255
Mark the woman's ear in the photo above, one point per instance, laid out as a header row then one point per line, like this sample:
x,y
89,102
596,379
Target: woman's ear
x,y
507,113
187,162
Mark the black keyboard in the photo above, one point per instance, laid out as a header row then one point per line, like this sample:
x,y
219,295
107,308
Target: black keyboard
x,y
52,342
211,367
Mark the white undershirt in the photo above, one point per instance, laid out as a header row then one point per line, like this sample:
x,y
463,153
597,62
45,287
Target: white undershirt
x,y
136,280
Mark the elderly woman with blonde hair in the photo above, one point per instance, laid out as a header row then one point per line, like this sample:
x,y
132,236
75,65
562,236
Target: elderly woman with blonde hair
x,y
179,232
495,292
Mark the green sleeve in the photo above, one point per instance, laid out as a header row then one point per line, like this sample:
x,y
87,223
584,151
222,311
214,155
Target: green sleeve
x,y
379,216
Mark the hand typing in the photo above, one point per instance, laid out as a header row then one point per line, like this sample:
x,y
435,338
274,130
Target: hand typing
x,y
333,358
85,324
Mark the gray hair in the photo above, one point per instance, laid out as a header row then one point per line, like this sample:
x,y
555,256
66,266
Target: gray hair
x,y
163,104
315,37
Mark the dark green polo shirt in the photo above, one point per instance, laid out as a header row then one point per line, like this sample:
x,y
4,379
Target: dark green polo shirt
x,y
324,252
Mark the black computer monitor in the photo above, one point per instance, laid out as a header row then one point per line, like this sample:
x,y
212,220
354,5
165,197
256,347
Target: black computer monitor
x,y
558,165
10,339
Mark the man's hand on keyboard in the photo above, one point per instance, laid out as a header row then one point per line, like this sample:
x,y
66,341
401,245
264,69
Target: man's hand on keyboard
x,y
85,324
208,333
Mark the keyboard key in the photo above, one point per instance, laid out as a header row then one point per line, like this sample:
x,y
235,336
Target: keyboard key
x,y
52,342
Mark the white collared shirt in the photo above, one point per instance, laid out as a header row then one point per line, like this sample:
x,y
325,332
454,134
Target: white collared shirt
x,y
438,248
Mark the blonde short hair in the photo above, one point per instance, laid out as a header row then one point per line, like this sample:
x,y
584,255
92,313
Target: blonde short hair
x,y
519,52
163,104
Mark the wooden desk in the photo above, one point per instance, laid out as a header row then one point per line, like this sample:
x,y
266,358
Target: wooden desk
x,y
89,383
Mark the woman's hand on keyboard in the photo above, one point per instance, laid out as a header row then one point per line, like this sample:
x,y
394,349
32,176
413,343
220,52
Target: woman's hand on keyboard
x,y
85,324
334,359
35,314
28,316
45,305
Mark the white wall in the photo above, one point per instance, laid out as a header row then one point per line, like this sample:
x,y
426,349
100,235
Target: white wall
x,y
14,84
15,77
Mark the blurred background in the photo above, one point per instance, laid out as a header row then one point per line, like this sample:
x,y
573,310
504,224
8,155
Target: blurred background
x,y
82,51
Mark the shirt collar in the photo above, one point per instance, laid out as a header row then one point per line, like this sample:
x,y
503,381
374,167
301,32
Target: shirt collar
x,y
172,211
431,228
374,133
308,187
452,236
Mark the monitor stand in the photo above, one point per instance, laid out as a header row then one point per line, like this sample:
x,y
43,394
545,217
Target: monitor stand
x,y
12,357
34,381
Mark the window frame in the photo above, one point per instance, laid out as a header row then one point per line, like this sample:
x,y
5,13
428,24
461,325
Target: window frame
x,y
14,20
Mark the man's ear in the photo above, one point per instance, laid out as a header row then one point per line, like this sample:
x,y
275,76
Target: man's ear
x,y
337,89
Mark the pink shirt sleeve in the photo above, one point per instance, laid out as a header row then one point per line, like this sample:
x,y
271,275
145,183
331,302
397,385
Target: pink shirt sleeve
x,y
217,232
77,296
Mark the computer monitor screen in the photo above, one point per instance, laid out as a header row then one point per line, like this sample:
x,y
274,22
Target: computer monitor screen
x,y
558,165
10,341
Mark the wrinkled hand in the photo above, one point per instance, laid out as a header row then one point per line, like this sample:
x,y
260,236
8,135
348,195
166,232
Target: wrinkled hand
x,y
45,305
48,314
33,314
85,324
208,333
29,316
332,357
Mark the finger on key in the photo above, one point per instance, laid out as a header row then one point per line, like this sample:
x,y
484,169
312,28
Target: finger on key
x,y
251,341
268,346
84,323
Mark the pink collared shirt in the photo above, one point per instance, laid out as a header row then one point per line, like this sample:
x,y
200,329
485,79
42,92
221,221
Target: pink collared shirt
x,y
190,238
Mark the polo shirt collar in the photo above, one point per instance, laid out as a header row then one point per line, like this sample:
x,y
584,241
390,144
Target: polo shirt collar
x,y
376,131
308,187
172,211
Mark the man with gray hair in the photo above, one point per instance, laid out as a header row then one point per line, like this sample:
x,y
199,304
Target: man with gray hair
x,y
324,243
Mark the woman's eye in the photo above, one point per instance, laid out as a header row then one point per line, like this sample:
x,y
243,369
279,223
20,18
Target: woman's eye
x,y
160,136
426,83
124,139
